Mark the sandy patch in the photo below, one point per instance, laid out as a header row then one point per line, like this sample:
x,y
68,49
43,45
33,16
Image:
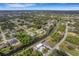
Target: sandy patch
x,y
73,34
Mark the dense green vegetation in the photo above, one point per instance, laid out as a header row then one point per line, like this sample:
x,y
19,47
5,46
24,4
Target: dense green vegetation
x,y
7,25
24,38
39,22
1,39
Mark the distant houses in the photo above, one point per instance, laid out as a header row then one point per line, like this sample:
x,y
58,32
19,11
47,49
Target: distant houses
x,y
2,45
13,41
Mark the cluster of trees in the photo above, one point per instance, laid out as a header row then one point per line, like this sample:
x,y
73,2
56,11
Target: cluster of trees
x,y
24,38
40,21
7,25
1,39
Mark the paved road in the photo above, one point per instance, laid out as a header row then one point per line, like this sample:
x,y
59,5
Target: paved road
x,y
58,44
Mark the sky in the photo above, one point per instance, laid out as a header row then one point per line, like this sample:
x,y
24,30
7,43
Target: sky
x,y
39,6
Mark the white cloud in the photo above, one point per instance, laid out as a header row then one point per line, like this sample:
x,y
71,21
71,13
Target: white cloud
x,y
15,5
18,5
30,4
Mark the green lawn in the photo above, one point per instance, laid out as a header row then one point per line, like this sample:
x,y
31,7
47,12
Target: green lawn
x,y
29,52
5,50
58,53
70,49
73,39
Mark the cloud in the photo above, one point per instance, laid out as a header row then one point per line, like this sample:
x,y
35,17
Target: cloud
x,y
15,5
30,4
20,5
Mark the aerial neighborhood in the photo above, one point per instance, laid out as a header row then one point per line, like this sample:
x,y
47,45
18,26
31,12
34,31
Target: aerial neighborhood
x,y
39,33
